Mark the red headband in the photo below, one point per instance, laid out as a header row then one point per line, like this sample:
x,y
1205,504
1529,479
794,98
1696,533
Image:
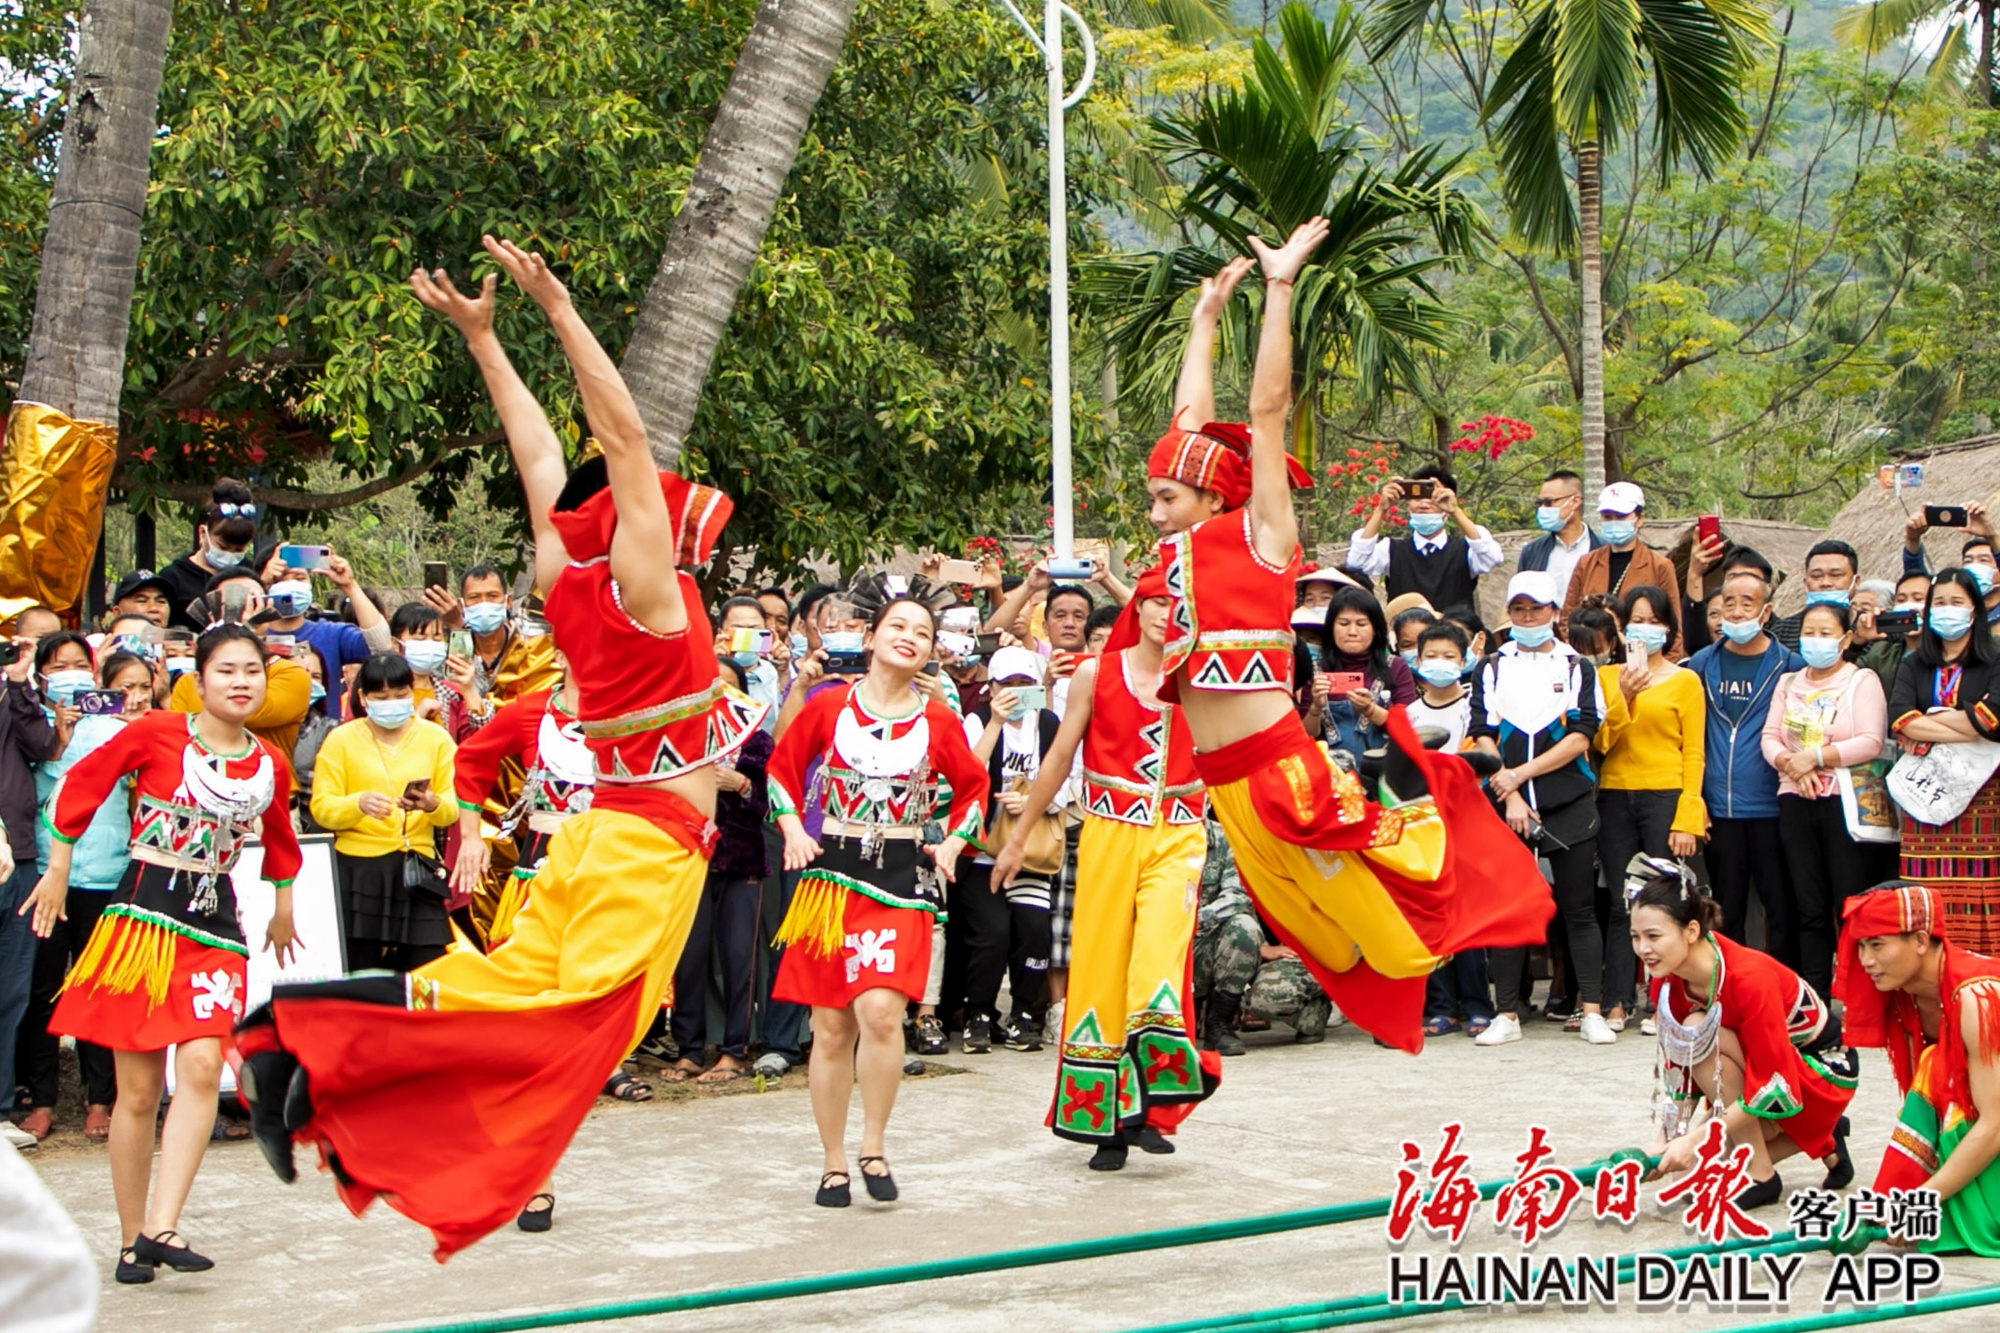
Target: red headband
x,y
1125,630
1214,458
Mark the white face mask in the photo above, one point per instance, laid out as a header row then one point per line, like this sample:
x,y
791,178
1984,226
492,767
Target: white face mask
x,y
222,559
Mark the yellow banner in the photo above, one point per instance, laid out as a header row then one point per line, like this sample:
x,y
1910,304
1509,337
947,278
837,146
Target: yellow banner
x,y
53,478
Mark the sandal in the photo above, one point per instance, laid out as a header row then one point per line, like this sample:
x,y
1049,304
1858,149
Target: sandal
x,y
1574,1023
881,1188
97,1122
537,1219
722,1074
41,1122
227,1130
1438,1026
621,1086
681,1072
834,1196
1477,1026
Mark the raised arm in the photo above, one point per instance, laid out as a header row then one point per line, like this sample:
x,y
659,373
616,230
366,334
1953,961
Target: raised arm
x,y
1274,524
1194,393
538,454
649,586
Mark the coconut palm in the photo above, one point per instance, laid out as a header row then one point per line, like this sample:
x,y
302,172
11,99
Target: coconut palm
x,y
1263,160
1578,75
1873,27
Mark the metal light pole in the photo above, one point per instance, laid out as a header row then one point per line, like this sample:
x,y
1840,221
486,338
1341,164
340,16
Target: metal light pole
x,y
1049,42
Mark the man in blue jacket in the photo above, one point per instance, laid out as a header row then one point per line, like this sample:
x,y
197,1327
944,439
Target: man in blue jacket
x,y
1740,677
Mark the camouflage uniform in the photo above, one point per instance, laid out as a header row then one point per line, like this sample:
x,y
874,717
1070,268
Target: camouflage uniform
x,y
1227,939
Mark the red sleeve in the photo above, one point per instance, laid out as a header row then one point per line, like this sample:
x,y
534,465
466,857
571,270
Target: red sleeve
x,y
511,732
89,782
953,759
805,740
282,857
1756,1005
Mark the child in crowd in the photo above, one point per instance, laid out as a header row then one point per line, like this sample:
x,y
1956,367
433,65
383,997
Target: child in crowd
x,y
1443,700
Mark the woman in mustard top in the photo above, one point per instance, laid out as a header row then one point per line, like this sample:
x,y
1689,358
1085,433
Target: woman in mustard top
x,y
1651,743
383,784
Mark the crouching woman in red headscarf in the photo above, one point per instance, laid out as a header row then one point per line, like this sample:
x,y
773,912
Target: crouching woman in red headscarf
x,y
1936,1007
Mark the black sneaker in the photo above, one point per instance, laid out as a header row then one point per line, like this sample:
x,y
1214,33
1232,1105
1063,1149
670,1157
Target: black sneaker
x,y
658,1052
930,1036
1017,1034
979,1036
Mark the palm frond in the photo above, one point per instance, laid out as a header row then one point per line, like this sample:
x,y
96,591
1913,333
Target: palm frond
x,y
1394,22
1872,27
1521,105
1595,51
1192,22
1948,66
1698,69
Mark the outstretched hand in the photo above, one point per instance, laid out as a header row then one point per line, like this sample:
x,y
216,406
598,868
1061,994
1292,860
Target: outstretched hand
x,y
1283,265
1216,291
470,314
530,272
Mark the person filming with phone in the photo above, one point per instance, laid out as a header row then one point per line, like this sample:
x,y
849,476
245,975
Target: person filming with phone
x,y
1443,567
337,644
383,783
1358,680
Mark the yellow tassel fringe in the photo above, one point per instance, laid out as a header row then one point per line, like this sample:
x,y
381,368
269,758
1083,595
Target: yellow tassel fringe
x,y
817,917
513,897
123,955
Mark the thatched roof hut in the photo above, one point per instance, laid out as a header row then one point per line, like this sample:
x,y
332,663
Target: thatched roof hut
x,y
1958,473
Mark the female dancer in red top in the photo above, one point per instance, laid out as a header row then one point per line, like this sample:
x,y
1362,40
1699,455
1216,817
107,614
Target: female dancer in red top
x,y
860,920
165,965
1742,1030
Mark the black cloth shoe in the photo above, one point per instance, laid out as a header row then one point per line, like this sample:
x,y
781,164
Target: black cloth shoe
x,y
264,1085
1841,1174
1110,1157
831,1195
151,1251
1151,1140
130,1271
537,1219
1218,1032
1763,1193
979,1036
882,1188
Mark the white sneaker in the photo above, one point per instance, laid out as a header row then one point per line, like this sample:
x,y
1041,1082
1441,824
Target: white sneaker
x,y
1649,1026
1052,1025
1334,1018
18,1137
1503,1029
1596,1031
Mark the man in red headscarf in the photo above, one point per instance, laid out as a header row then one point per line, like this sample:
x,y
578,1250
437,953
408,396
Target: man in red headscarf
x,y
1362,892
1936,1008
501,1054
1127,1071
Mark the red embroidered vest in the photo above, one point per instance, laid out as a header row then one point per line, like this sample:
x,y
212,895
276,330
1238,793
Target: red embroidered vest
x,y
1138,760
1229,625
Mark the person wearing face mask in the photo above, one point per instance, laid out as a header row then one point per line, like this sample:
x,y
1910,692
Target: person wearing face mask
x,y
1977,557
1830,716
313,731
1833,571
1739,677
1566,538
383,783
1947,693
333,642
223,542
1975,553
507,661
1443,568
447,687
1652,769
743,615
1885,655
1623,561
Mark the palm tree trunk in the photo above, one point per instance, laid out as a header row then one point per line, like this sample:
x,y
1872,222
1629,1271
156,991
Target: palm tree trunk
x,y
1590,255
786,59
90,253
1984,70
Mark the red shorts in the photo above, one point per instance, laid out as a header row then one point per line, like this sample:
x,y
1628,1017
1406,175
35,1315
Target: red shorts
x,y
885,947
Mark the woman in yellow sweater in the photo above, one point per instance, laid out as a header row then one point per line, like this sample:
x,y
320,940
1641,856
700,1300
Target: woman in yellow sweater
x,y
383,784
1651,740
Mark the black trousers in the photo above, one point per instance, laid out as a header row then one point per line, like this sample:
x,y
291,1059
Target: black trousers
x,y
724,931
978,933
1743,853
1030,937
1630,822
1827,868
1573,876
38,1049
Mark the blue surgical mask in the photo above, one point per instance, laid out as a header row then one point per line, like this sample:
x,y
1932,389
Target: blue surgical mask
x,y
1951,622
1983,576
1438,672
317,692
1427,525
1741,631
390,714
1828,597
425,656
1618,531
63,686
1534,636
295,595
485,617
1820,653
221,559
800,646
179,666
1409,655
1549,518
744,660
1652,637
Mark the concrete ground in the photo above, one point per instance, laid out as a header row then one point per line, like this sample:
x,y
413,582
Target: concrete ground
x,y
715,1191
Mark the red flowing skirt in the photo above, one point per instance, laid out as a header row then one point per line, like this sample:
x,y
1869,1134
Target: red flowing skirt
x,y
204,991
883,947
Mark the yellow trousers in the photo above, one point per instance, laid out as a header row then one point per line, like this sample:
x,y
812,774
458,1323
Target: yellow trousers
x,y
1127,1045
613,901
1330,905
